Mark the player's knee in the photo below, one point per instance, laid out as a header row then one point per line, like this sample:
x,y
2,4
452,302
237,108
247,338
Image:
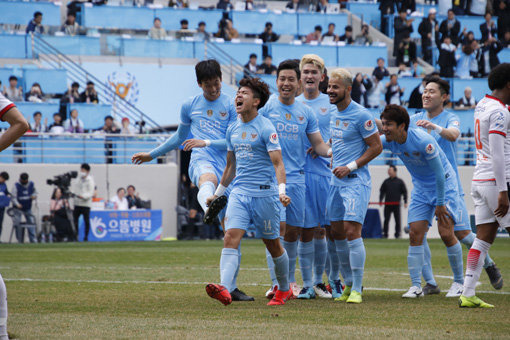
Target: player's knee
x,y
415,237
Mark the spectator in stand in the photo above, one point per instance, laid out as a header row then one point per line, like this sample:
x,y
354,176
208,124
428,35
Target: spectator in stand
x,y
201,32
72,95
450,27
268,36
23,194
364,37
393,91
407,5
467,101
4,197
403,27
374,93
473,67
447,60
322,6
58,206
267,67
73,124
184,25
488,56
35,95
57,126
120,201
466,58
13,92
109,126
404,71
502,11
386,7
133,198
415,99
466,38
292,5
429,32
488,28
380,71
406,51
126,129
248,5
347,37
505,42
89,95
391,190
37,125
416,70
226,30
178,3
315,35
232,33
330,33
360,85
251,66
224,5
157,32
35,25
70,27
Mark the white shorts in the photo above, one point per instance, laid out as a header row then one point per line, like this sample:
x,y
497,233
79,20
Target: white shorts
x,y
485,198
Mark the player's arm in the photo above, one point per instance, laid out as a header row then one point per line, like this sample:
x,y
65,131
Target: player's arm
x,y
190,144
375,147
451,134
228,176
318,145
437,167
497,147
378,123
18,126
276,158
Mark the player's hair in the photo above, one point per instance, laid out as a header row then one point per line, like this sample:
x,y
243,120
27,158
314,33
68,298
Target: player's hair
x,y
342,74
444,86
85,166
313,59
397,114
258,87
207,70
289,64
499,76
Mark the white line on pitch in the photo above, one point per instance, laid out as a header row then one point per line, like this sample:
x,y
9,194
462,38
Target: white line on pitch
x,y
194,283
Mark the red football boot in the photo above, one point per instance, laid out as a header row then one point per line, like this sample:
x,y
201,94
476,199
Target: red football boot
x,y
219,293
280,298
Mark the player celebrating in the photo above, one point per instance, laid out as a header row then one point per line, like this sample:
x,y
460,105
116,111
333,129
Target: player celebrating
x,y
444,127
490,186
295,122
435,188
317,178
355,143
253,151
17,127
207,116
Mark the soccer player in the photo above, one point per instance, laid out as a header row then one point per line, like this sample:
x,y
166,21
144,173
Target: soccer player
x,y
355,142
295,123
17,127
435,188
253,151
317,178
444,126
490,187
207,116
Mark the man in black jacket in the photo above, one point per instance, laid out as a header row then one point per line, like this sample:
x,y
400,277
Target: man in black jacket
x,y
488,28
415,99
403,27
386,7
450,27
490,50
429,31
391,190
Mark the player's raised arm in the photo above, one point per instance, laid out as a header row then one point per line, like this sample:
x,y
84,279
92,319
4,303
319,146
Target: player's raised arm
x,y
190,144
18,126
276,158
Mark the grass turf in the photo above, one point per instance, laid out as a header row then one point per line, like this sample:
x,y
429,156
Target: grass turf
x,y
156,290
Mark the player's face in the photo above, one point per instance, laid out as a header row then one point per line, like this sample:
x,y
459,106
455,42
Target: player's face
x,y
287,83
211,88
244,100
432,97
337,91
311,76
390,130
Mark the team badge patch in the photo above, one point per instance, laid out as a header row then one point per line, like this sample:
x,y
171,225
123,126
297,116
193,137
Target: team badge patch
x,y
301,119
430,149
456,123
369,125
274,138
223,115
253,137
324,110
209,113
346,125
288,116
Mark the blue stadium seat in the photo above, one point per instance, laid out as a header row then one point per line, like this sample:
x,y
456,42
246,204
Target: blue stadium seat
x,y
51,81
78,45
21,12
17,46
170,18
117,17
92,115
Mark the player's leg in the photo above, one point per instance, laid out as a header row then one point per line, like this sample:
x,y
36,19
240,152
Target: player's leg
x,y
357,257
334,266
387,216
269,258
281,261
415,256
207,184
398,227
306,257
319,262
431,286
3,310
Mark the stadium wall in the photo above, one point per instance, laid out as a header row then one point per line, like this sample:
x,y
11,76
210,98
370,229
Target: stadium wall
x,y
157,183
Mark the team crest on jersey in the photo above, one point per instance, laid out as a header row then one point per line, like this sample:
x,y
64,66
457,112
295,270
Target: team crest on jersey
x,y
209,113
223,115
253,137
346,124
274,138
337,124
324,109
456,123
288,116
369,125
243,135
301,120
430,149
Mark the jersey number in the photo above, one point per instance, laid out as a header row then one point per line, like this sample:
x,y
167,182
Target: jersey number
x,y
478,140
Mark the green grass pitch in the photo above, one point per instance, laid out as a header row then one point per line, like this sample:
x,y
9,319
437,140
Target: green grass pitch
x,y
155,290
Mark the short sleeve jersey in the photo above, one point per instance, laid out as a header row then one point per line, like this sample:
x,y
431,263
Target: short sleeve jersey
x,y
208,120
323,111
445,120
5,105
418,149
349,129
251,143
293,124
491,116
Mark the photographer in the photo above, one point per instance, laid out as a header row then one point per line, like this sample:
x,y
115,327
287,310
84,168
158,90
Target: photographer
x,y
4,197
23,193
58,206
83,192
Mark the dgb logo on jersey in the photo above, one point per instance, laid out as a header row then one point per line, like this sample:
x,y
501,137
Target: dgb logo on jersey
x,y
288,116
209,113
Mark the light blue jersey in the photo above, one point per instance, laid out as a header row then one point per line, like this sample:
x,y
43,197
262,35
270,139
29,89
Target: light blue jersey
x,y
293,123
323,111
208,120
349,129
251,142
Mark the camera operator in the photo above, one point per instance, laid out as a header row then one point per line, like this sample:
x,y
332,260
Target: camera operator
x,y
23,193
58,206
83,192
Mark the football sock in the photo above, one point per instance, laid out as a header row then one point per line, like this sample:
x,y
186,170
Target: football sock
x,y
426,271
468,242
291,248
455,257
334,262
270,266
281,268
327,267
206,190
415,264
342,250
234,281
228,265
357,257
3,310
319,260
305,256
474,266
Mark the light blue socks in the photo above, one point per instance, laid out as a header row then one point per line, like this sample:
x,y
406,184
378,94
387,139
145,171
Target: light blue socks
x,y
357,257
426,271
228,265
342,249
319,261
281,268
270,266
415,261
455,257
234,281
305,253
334,263
291,248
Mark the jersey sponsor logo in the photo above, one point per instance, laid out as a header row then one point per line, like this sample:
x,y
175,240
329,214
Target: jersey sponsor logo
x,y
273,138
430,149
209,113
196,112
288,116
291,128
369,125
223,115
204,124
